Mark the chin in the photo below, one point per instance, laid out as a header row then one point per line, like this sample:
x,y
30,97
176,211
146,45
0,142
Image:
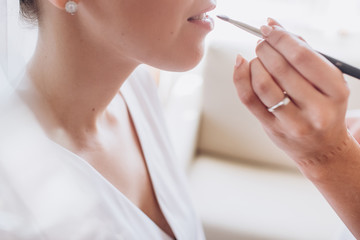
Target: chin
x,y
183,62
188,66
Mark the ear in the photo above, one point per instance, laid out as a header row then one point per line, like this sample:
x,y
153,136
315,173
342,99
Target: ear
x,y
61,3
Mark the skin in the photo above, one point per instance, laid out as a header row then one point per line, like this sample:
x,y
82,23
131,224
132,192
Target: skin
x,y
79,65
311,129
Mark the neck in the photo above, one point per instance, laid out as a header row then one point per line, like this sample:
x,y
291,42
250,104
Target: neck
x,y
77,78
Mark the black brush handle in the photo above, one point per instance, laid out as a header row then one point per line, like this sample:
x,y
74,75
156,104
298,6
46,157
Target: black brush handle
x,y
344,67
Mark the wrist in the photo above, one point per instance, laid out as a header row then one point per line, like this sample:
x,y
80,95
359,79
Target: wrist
x,y
324,165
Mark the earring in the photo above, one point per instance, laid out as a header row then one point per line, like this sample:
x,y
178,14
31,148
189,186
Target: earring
x,y
71,7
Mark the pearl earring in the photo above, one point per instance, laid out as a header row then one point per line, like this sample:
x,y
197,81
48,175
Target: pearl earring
x,y
71,7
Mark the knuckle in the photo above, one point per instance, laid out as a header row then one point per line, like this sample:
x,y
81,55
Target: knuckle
x,y
299,55
343,91
261,86
322,120
321,124
283,37
343,94
246,97
301,131
279,68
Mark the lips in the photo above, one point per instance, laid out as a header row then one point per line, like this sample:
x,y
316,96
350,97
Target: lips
x,y
202,16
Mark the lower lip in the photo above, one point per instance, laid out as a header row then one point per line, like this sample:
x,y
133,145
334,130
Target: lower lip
x,y
207,23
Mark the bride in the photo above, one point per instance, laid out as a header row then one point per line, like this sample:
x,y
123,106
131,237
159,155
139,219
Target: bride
x,y
84,153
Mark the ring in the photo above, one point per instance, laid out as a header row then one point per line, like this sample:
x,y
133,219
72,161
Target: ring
x,y
285,101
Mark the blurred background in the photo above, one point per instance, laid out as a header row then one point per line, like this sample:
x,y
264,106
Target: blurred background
x,y
242,186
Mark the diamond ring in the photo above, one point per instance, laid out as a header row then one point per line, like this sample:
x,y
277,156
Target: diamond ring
x,y
285,101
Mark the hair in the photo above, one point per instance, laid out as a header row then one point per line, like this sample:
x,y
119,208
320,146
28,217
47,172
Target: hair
x,y
29,10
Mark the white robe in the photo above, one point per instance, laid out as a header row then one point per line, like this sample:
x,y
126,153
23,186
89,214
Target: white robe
x,y
48,192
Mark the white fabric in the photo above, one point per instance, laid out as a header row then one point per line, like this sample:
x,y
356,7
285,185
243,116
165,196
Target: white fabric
x,y
13,39
48,192
3,39
17,44
346,235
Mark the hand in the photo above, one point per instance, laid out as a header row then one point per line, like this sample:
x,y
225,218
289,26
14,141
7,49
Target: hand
x,y
311,128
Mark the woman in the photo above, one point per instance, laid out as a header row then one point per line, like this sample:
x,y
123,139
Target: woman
x,y
301,99
85,155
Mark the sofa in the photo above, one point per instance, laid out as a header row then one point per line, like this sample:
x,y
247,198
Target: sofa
x,y
242,186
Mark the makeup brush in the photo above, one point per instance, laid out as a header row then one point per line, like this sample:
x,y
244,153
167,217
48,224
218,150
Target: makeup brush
x,y
343,67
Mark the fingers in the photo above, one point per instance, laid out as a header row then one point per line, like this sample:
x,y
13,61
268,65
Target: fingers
x,y
273,22
242,81
263,84
314,67
258,91
270,93
303,128
286,76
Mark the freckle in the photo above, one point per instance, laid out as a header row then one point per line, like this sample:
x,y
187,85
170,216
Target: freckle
x,y
171,33
93,109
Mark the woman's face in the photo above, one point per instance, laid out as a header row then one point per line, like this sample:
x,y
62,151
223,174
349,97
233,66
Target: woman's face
x,y
166,34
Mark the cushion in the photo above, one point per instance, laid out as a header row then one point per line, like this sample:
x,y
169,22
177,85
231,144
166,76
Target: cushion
x,y
227,128
245,201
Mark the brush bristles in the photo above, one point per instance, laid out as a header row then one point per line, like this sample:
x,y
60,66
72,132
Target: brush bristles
x,y
223,17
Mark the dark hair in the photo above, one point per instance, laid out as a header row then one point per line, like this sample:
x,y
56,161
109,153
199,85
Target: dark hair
x,y
29,10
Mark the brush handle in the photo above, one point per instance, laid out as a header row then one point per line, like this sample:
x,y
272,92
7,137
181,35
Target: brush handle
x,y
343,67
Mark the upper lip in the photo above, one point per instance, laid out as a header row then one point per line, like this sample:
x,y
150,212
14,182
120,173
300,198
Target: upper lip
x,y
210,7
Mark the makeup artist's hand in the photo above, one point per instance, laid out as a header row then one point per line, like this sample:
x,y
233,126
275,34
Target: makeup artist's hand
x,y
311,128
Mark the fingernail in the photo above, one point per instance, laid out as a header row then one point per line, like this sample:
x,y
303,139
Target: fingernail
x,y
266,30
270,20
239,61
260,41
